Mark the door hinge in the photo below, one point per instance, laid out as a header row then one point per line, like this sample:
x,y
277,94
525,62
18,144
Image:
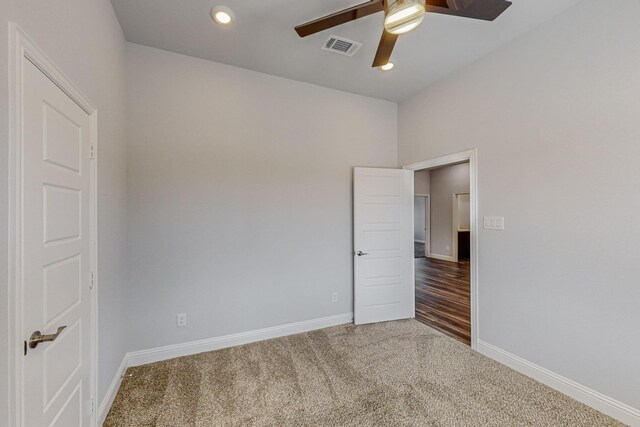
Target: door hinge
x,y
92,406
92,280
92,151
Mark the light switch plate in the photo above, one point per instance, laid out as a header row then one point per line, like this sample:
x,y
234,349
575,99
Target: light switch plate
x,y
494,222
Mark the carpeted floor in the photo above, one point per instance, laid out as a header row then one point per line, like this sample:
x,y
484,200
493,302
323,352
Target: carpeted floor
x,y
389,374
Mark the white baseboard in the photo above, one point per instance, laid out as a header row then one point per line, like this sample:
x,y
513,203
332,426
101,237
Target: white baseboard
x,y
151,355
442,257
592,398
110,396
143,357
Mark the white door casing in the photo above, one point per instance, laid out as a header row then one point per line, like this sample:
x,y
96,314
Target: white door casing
x,y
419,218
52,246
383,236
470,156
427,227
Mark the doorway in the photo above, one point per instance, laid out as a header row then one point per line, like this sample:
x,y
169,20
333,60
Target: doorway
x,y
445,276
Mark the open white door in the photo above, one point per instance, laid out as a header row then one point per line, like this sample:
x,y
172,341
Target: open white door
x,y
383,245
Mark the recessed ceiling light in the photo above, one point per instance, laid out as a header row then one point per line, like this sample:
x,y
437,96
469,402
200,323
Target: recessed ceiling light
x,y
386,67
222,15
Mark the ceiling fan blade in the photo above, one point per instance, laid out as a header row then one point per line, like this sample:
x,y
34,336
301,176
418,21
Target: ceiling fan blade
x,y
341,17
487,10
387,42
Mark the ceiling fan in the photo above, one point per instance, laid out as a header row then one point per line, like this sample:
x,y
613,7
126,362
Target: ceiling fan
x,y
401,16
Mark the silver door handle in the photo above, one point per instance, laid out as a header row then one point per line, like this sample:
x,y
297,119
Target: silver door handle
x,y
360,253
36,337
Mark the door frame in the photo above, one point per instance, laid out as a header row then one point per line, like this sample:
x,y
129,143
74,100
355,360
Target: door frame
x,y
470,156
22,48
427,223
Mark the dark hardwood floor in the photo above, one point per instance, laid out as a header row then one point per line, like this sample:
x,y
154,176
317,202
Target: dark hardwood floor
x,y
443,297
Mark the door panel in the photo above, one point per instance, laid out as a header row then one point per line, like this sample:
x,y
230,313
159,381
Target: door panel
x,y
56,379
383,232
381,240
58,296
63,140
62,213
60,361
71,413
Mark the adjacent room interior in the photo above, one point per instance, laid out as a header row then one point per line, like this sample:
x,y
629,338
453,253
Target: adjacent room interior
x,y
330,212
442,249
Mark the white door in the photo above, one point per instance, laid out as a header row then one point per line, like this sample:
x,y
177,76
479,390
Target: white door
x,y
56,376
383,245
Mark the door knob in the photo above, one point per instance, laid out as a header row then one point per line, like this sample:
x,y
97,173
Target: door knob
x,y
360,253
36,337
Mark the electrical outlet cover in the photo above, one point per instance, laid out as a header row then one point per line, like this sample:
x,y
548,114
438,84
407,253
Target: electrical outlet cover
x,y
181,320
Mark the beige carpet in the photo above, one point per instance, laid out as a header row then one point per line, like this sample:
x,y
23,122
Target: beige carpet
x,y
390,374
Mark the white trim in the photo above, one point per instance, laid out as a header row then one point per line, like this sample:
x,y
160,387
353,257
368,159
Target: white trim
x,y
143,357
470,156
151,355
427,244
441,257
592,398
447,160
454,228
427,223
21,48
112,391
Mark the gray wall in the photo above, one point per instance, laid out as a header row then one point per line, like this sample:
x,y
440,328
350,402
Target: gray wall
x,y
555,118
445,182
421,182
227,169
464,211
84,39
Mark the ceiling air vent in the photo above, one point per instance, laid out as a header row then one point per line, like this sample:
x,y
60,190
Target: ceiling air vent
x,y
341,45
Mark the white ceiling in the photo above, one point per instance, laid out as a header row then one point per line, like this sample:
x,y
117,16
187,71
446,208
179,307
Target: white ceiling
x,y
262,39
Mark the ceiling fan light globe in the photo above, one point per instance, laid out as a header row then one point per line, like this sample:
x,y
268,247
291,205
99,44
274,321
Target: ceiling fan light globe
x,y
407,27
404,15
